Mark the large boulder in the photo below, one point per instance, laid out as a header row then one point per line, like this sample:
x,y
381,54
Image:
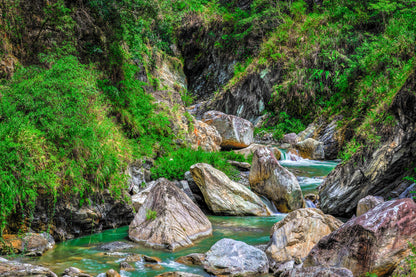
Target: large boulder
x,y
374,242
168,219
30,244
235,258
15,269
267,177
253,147
139,198
294,236
205,136
367,203
224,196
377,170
311,149
236,132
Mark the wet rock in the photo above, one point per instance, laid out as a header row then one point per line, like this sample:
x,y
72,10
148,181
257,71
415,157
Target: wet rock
x,y
191,259
253,147
267,177
374,242
367,203
178,274
154,266
178,221
115,246
15,269
317,271
115,254
311,149
112,273
235,258
224,196
376,171
294,236
291,138
126,266
150,259
74,272
134,258
30,244
236,132
205,136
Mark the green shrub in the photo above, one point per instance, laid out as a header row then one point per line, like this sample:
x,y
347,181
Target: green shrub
x,y
150,214
176,163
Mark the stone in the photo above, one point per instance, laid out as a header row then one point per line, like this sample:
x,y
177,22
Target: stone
x,y
191,259
241,166
126,266
16,269
178,274
253,147
235,258
138,177
367,203
295,235
331,137
134,258
154,266
311,149
115,246
236,132
150,259
205,136
30,244
308,132
74,272
139,198
224,196
291,138
317,271
374,242
267,177
112,273
177,223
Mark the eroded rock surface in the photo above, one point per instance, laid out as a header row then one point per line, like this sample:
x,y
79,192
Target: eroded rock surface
x,y
235,258
177,221
374,242
294,236
15,269
224,196
267,177
236,132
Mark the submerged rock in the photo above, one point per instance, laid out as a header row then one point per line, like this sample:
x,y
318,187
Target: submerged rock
x,y
294,236
191,259
168,219
224,196
178,274
311,149
367,203
374,242
115,246
15,269
112,273
267,177
74,272
235,258
236,132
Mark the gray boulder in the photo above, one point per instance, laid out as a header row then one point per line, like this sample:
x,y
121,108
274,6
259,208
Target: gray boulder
x,y
168,219
16,269
367,203
235,258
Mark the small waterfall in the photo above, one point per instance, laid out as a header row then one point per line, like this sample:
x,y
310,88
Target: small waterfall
x,y
291,155
310,204
269,205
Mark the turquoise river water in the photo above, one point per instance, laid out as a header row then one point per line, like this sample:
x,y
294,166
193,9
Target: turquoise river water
x,y
84,253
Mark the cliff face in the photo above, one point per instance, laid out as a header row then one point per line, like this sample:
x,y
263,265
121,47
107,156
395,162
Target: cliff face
x,y
377,170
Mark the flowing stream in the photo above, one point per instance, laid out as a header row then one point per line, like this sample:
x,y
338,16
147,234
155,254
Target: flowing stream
x,y
84,253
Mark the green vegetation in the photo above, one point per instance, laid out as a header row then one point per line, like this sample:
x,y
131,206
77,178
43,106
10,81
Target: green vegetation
x,y
285,125
176,163
151,215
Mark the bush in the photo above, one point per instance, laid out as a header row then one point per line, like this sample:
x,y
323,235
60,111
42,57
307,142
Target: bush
x,y
175,164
